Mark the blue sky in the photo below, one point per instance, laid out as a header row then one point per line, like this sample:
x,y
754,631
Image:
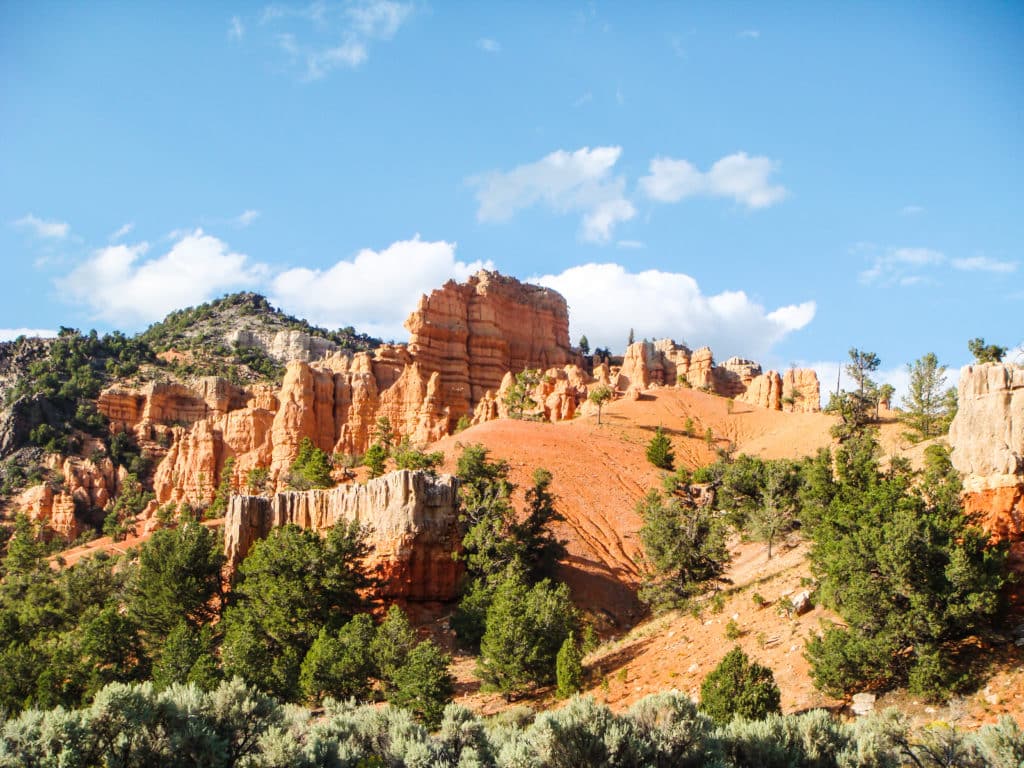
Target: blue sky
x,y
781,182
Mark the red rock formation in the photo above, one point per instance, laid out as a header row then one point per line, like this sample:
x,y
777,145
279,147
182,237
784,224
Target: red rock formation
x,y
411,520
473,333
558,395
987,440
84,483
764,391
801,391
665,363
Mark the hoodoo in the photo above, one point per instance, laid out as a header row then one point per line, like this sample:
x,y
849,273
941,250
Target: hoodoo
x,y
987,438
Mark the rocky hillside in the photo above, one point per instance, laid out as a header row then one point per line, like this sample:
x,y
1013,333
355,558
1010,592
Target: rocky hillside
x,y
243,329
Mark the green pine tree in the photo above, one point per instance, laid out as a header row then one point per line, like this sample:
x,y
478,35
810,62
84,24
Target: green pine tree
x,y
659,450
569,668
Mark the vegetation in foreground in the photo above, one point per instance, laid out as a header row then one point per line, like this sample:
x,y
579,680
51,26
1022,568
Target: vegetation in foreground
x,y
235,725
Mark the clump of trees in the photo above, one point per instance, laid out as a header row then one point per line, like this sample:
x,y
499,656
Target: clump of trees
x,y
405,455
511,609
895,556
311,468
985,353
903,566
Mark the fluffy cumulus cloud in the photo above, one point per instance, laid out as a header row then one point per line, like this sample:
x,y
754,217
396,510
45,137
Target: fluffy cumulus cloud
x,y
606,299
373,291
742,178
566,182
120,284
52,230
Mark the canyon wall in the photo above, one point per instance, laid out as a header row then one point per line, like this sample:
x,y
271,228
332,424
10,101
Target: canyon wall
x,y
987,441
411,520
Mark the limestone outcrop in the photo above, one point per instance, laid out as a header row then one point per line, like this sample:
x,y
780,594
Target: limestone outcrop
x,y
284,345
987,441
411,520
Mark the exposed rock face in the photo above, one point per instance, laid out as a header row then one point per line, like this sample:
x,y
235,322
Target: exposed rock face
x,y
169,403
411,520
664,363
794,391
473,333
85,485
987,438
285,345
801,391
765,391
558,395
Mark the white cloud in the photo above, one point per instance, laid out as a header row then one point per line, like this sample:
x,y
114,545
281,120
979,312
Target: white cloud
x,y
984,264
586,98
120,286
631,244
236,30
56,230
489,45
10,334
246,218
342,38
379,18
738,176
606,299
749,34
911,210
375,290
121,231
579,181
898,266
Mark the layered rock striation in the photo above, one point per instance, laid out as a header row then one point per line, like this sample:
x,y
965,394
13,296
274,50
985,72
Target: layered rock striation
x,y
987,441
410,519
